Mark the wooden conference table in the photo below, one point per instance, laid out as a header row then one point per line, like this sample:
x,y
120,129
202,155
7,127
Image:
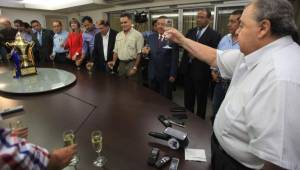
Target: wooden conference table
x,y
124,111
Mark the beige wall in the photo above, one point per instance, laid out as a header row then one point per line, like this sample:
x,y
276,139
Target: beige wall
x,y
95,14
100,14
27,15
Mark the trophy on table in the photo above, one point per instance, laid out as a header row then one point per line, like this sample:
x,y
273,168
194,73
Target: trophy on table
x,y
22,55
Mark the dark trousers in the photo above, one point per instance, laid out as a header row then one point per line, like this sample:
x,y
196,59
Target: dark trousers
x,y
61,58
196,88
164,87
220,160
218,96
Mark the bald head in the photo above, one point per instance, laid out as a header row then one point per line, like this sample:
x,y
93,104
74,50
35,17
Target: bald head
x,y
4,22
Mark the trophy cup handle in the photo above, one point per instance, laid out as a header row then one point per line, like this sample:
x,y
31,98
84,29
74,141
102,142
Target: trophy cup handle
x,y
30,54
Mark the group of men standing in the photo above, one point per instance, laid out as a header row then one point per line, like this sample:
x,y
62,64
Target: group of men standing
x,y
122,53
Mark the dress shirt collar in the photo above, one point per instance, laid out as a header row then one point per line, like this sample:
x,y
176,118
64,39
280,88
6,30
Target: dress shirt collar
x,y
107,34
128,32
232,40
203,29
251,60
93,30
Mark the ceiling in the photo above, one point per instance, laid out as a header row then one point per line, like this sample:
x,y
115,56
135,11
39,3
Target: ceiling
x,y
66,6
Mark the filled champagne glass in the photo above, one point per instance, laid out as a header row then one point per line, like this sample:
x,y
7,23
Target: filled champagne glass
x,y
97,139
69,139
77,61
89,67
52,58
169,25
16,125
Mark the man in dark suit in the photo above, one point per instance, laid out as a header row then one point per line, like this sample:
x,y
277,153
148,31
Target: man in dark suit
x,y
104,44
162,68
196,73
7,34
43,39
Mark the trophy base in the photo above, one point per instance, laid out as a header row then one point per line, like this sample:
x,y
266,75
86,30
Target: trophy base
x,y
27,71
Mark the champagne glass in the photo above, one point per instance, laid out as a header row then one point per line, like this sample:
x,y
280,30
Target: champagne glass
x,y
77,61
169,25
20,129
69,139
16,125
97,139
52,57
89,67
147,46
109,70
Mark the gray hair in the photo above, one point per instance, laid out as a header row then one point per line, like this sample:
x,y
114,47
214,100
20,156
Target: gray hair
x,y
280,13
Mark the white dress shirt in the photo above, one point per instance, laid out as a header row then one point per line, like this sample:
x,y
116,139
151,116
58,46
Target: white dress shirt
x,y
259,119
105,40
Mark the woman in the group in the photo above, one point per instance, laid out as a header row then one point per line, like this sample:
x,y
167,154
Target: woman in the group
x,y
74,42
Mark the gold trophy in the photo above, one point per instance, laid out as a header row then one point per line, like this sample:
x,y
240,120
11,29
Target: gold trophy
x,y
24,49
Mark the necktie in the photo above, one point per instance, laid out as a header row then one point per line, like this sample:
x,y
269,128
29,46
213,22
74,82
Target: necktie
x,y
39,37
159,40
198,35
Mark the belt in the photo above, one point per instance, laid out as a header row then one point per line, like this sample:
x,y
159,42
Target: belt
x,y
228,158
126,61
227,81
61,53
215,140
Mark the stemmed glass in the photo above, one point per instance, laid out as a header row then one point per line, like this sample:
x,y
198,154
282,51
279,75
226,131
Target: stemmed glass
x,y
169,25
147,48
97,139
16,125
77,62
52,57
69,139
89,67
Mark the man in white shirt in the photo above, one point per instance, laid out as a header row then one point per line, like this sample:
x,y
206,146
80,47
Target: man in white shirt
x,y
104,45
257,125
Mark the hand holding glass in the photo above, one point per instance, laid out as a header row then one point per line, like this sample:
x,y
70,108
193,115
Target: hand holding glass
x,y
69,139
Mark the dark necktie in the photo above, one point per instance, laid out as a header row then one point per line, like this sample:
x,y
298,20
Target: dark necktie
x,y
160,39
198,35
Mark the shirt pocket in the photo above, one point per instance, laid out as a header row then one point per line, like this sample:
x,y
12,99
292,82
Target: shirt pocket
x,y
118,42
131,44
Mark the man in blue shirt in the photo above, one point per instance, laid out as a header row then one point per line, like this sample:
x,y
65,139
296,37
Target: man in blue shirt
x,y
229,41
59,54
88,37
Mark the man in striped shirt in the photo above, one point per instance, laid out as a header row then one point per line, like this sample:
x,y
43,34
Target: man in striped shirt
x,y
18,154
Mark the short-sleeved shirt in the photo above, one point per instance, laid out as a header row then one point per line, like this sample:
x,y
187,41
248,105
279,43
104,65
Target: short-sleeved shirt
x,y
128,46
226,43
258,120
58,40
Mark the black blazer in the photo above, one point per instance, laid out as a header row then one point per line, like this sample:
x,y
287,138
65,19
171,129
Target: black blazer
x,y
98,54
44,50
198,69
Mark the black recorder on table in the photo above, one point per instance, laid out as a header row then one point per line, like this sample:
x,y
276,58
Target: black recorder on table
x,y
176,138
